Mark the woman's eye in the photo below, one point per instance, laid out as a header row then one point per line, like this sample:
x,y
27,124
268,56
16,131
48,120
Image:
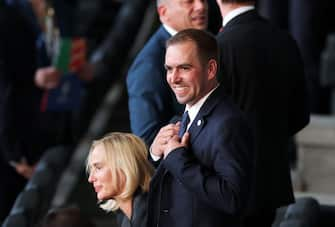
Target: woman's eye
x,y
98,167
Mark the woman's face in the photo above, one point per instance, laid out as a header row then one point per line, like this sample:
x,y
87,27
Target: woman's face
x,y
101,175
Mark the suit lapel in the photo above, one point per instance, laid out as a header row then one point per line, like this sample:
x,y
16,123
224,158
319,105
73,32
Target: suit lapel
x,y
200,120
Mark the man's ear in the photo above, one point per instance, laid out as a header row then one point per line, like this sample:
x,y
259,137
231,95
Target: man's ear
x,y
212,68
161,10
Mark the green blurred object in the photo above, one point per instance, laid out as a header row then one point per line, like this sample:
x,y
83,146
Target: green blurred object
x,y
62,57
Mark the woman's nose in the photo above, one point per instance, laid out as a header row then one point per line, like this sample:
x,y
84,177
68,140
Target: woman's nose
x,y
90,178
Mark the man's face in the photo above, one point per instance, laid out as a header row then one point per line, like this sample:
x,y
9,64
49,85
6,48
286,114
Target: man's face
x,y
186,75
183,14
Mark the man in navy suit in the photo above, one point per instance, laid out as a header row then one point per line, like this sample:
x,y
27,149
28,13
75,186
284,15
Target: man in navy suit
x,y
151,102
263,72
203,177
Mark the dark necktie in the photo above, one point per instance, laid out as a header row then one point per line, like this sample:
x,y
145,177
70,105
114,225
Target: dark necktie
x,y
184,122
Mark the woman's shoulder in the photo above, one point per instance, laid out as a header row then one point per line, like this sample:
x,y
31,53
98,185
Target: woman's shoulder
x,y
139,217
139,212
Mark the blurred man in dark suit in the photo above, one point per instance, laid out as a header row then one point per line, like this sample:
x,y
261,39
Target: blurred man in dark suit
x,y
263,72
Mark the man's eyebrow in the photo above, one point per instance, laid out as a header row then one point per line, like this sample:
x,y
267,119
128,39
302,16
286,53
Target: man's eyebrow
x,y
178,66
184,65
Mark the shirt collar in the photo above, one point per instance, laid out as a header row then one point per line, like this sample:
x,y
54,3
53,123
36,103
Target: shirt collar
x,y
234,13
194,109
170,30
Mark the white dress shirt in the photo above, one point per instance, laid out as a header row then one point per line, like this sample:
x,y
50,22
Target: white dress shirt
x,y
194,109
234,13
170,30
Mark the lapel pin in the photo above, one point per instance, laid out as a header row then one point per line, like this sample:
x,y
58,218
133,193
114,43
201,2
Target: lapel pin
x,y
199,122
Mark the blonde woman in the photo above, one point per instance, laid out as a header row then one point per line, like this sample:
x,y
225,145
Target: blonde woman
x,y
120,174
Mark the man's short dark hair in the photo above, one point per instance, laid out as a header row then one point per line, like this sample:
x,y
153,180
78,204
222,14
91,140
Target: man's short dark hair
x,y
205,42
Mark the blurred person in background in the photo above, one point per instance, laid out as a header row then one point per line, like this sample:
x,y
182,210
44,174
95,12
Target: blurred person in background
x,y
95,21
120,174
20,146
25,132
62,85
262,70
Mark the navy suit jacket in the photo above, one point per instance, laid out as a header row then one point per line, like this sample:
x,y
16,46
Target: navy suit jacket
x,y
205,184
151,101
263,72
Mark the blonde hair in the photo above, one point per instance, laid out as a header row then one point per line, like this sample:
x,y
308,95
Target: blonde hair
x,y
125,154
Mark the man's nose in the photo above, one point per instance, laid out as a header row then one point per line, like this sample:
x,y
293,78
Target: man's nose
x,y
174,77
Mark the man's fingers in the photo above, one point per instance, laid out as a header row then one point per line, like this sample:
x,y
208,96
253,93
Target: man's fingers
x,y
185,139
167,132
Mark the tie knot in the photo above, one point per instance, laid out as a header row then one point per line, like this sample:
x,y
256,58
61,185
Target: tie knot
x,y
183,125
